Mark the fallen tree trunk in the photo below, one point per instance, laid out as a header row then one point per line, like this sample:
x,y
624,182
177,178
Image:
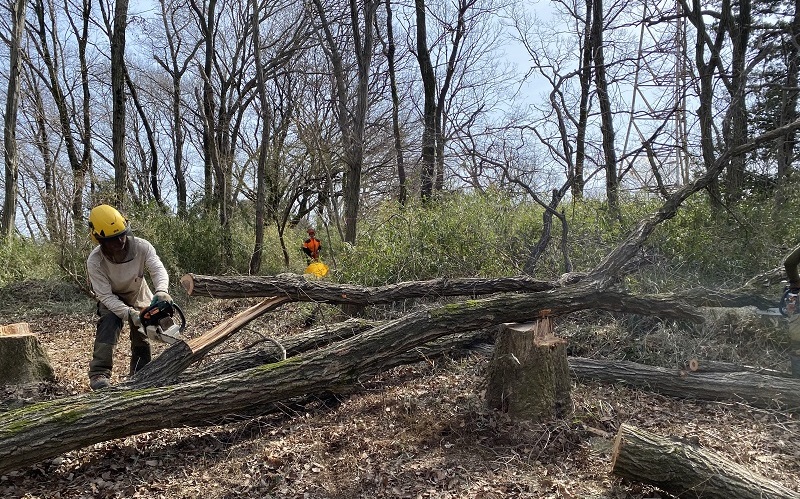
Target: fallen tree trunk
x,y
175,359
714,366
269,353
686,470
39,431
167,366
298,288
755,389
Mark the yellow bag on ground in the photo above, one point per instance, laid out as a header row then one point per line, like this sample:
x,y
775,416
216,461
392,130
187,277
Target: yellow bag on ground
x,y
317,268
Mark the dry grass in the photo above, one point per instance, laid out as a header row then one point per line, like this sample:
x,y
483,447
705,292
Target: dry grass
x,y
418,431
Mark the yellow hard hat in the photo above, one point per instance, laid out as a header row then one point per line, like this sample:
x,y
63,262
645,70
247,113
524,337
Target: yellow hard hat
x,y
106,222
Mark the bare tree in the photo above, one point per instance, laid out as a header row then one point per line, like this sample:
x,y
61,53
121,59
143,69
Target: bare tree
x,y
352,121
604,100
428,77
40,132
47,66
735,130
274,120
390,50
176,63
118,99
11,155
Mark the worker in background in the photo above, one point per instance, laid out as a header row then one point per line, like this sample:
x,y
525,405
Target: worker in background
x,y
312,246
791,263
116,269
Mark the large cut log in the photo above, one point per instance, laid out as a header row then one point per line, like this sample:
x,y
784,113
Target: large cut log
x,y
22,358
528,376
175,359
687,470
298,288
48,429
756,389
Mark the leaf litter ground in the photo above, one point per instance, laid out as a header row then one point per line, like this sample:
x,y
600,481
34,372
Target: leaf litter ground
x,y
417,431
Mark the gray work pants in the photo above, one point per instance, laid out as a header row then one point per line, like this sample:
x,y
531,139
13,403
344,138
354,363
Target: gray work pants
x,y
109,327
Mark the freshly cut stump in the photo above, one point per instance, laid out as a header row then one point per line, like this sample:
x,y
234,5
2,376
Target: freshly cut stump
x,y
529,374
22,358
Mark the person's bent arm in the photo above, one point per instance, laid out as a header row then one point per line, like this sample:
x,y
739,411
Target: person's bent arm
x,y
790,263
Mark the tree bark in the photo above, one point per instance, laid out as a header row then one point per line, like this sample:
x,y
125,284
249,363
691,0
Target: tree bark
x,y
22,358
685,470
712,366
118,100
44,430
528,375
428,77
606,112
11,157
300,289
174,360
755,389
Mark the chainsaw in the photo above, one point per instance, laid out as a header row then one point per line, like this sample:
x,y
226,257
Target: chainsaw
x,y
158,322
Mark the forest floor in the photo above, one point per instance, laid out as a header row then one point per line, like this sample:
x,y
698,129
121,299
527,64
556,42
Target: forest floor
x,y
417,431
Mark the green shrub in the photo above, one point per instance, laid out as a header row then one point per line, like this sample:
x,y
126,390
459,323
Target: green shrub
x,y
196,244
22,259
453,236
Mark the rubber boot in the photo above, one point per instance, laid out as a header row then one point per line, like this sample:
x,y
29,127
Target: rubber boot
x,y
101,365
140,357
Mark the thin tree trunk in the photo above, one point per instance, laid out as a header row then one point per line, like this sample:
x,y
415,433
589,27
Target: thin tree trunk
x,y
79,166
261,168
705,75
736,118
429,108
606,114
402,192
11,154
155,187
118,100
577,175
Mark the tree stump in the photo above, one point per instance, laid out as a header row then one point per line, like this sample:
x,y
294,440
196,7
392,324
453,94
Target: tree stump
x,y
529,374
22,358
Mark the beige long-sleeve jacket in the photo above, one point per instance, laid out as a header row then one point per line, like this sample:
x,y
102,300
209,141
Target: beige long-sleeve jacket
x,y
120,286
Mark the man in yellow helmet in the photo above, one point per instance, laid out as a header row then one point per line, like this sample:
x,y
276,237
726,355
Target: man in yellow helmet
x,y
791,263
116,269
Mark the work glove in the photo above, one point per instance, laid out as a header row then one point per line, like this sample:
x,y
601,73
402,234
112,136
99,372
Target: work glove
x,y
133,316
162,296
